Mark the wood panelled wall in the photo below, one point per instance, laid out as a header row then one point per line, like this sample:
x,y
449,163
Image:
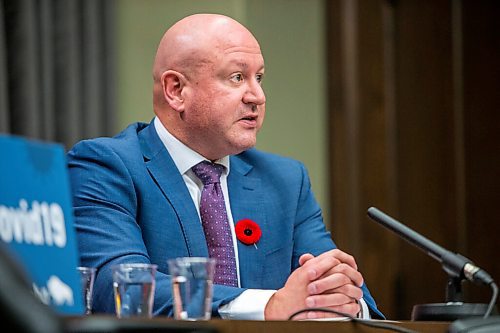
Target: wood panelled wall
x,y
414,130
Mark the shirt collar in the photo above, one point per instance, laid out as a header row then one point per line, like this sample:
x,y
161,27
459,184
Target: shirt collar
x,y
184,157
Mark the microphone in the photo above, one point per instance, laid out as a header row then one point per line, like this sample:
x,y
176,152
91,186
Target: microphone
x,y
454,264
457,266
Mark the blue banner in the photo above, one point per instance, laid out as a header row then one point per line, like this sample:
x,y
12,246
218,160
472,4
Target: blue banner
x,y
36,219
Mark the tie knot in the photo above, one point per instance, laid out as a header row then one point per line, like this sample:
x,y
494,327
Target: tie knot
x,y
209,173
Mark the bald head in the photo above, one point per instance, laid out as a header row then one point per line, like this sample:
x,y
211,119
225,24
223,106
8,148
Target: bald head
x,y
191,43
207,85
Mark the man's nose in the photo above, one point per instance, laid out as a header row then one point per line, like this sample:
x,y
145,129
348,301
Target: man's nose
x,y
255,94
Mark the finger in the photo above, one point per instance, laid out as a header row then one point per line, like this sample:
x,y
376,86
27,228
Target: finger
x,y
349,290
355,276
300,316
318,266
351,309
322,314
304,258
326,283
344,257
327,300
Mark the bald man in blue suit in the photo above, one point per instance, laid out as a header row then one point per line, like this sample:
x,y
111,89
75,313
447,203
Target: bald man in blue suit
x,y
136,199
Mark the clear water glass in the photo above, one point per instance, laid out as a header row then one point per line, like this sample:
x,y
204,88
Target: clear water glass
x,y
134,289
87,277
192,287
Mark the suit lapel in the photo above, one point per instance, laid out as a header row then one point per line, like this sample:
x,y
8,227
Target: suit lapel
x,y
246,200
166,175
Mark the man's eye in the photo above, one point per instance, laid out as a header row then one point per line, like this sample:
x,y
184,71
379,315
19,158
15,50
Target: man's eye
x,y
237,78
259,77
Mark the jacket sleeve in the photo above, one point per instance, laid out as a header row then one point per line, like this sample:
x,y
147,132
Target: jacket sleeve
x,y
311,236
105,208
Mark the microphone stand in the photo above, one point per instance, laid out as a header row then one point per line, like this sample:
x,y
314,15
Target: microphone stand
x,y
454,308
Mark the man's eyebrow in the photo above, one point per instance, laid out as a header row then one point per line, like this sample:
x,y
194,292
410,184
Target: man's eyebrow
x,y
240,64
244,65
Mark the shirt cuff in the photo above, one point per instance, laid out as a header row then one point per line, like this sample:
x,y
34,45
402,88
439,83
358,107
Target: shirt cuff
x,y
250,305
365,312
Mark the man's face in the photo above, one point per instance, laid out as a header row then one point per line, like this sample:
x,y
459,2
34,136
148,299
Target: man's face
x,y
224,100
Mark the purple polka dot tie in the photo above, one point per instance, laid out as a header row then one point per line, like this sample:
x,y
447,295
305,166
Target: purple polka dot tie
x,y
215,223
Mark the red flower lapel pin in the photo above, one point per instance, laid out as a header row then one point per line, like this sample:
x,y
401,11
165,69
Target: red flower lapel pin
x,y
248,232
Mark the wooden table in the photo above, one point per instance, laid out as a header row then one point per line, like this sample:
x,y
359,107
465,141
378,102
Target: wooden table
x,y
158,324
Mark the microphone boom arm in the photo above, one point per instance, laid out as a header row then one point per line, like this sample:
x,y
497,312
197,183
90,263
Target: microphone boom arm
x,y
456,265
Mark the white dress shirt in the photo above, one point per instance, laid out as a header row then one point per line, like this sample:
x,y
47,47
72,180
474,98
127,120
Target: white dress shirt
x,y
250,304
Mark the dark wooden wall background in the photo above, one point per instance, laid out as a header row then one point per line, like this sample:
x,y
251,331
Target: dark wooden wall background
x,y
415,130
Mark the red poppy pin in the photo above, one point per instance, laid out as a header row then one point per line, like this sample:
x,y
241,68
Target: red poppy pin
x,y
248,232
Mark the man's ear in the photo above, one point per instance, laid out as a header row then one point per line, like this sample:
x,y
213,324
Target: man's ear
x,y
172,84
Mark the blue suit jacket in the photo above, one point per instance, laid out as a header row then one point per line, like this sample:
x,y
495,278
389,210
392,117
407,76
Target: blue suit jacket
x,y
132,205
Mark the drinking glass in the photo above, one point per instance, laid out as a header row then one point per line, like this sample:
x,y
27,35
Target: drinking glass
x,y
134,289
87,276
192,287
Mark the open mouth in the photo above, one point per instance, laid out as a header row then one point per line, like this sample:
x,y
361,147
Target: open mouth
x,y
249,118
249,121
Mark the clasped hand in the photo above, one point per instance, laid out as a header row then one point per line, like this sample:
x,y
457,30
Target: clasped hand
x,y
330,280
